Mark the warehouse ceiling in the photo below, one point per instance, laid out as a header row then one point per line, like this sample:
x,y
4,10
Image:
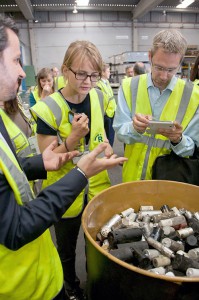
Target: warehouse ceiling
x,y
138,7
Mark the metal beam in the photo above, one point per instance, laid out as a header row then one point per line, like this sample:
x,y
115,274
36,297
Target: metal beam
x,y
26,8
144,6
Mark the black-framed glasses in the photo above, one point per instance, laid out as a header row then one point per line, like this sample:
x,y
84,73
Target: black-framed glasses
x,y
81,75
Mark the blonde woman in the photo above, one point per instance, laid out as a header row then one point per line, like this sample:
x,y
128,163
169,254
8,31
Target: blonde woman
x,y
74,116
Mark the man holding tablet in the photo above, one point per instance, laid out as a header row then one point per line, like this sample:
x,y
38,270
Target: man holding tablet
x,y
145,102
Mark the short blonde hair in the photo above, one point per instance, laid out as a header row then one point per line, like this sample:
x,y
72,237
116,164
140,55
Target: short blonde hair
x,y
79,50
170,40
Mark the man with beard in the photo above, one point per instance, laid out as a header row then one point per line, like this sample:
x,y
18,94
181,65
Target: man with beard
x,y
30,264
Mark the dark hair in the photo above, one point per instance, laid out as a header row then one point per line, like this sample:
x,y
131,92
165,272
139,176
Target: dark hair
x,y
194,71
6,23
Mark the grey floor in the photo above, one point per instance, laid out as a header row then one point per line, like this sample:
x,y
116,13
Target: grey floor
x,y
116,178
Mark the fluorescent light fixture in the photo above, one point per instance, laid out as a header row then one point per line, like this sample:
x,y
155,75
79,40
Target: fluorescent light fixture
x,y
185,3
82,2
75,11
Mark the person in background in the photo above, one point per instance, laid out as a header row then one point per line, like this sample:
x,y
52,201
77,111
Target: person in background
x,y
139,68
45,86
55,72
74,117
158,95
28,257
194,76
59,80
109,106
129,71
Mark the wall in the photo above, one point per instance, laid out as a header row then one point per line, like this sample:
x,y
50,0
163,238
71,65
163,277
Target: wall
x,y
111,32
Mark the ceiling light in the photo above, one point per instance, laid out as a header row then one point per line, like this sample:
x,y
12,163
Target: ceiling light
x,y
75,11
185,3
82,2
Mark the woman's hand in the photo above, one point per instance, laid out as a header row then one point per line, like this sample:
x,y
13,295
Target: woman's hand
x,y
80,126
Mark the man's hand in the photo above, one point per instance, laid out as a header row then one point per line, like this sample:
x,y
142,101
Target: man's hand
x,y
141,122
54,161
174,134
91,165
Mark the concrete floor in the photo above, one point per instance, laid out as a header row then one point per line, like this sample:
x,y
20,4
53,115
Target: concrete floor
x,y
116,178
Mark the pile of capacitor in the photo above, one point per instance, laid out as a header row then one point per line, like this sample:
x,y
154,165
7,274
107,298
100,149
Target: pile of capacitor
x,y
165,241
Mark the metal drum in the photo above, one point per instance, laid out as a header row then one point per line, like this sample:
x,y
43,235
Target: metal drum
x,y
111,278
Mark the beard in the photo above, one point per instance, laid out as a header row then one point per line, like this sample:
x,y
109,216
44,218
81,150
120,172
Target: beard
x,y
7,93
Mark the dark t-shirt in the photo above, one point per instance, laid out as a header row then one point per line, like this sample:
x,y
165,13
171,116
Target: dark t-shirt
x,y
83,107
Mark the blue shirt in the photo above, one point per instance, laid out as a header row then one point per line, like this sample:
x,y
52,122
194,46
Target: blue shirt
x,y
126,133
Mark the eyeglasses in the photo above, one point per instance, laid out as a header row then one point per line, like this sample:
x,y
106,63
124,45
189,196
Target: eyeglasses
x,y
81,75
169,71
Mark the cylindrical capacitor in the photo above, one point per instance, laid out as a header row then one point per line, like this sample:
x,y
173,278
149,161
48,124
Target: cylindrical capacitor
x,y
157,233
140,259
163,216
173,236
130,220
194,254
180,252
125,235
168,230
188,214
173,221
176,211
182,263
191,272
191,242
165,208
125,254
147,219
151,253
170,274
157,245
193,223
107,227
129,224
185,232
196,215
173,245
147,228
142,245
143,213
126,212
146,207
161,261
160,271
105,244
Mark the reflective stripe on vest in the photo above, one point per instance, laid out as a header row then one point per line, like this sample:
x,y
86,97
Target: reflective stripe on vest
x,y
110,105
17,176
18,138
